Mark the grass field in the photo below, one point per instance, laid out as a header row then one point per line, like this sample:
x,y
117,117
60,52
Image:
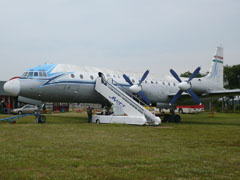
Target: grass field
x,y
67,147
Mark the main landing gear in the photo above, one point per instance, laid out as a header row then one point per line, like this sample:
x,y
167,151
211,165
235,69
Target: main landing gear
x,y
172,117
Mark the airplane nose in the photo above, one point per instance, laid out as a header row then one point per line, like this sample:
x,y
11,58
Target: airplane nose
x,y
12,87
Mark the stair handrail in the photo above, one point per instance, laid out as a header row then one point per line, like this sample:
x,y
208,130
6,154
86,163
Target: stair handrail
x,y
118,91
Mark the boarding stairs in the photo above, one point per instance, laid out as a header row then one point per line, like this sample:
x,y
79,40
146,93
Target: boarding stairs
x,y
119,96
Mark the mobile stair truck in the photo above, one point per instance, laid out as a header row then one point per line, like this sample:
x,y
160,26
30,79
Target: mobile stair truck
x,y
126,110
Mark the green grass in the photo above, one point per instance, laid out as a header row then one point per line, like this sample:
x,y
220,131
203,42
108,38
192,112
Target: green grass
x,y
67,147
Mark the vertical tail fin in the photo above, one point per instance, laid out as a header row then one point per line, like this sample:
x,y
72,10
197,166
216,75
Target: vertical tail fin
x,y
216,71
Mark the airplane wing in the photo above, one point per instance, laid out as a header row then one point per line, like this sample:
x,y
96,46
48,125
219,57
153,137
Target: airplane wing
x,y
220,93
183,94
226,92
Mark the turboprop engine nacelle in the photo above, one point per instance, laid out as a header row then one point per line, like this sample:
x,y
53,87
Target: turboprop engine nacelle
x,y
163,105
135,88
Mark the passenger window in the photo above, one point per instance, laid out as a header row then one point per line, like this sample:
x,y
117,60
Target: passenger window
x,y
133,81
169,84
72,75
145,81
81,76
30,74
91,77
163,83
45,74
35,74
40,74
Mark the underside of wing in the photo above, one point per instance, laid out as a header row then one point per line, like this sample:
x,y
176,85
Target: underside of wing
x,y
226,92
186,98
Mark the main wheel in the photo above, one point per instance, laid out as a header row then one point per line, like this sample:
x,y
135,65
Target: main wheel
x,y
166,118
177,119
172,118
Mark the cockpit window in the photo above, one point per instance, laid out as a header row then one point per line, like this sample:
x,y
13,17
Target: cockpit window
x,y
35,74
30,74
25,74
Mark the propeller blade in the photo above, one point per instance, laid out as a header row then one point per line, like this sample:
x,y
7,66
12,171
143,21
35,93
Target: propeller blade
x,y
194,96
174,99
194,74
127,79
175,75
144,97
143,77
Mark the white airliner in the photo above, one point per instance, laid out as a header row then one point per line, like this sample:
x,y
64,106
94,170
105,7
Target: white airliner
x,y
70,83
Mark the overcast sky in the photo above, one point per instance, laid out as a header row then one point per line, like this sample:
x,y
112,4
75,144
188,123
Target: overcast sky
x,y
130,35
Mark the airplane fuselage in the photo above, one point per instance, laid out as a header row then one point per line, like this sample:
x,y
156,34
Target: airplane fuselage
x,y
73,85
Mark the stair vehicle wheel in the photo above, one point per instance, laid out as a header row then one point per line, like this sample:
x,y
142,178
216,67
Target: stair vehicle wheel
x,y
19,112
97,121
41,119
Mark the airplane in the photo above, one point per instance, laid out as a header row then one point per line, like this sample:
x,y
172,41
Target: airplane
x,y
76,84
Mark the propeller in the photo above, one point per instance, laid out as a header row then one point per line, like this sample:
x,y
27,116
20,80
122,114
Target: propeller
x,y
185,86
137,88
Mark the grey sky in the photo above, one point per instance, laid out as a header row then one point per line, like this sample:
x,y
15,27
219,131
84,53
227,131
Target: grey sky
x,y
131,35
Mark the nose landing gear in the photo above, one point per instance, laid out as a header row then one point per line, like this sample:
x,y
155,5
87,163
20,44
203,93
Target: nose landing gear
x,y
39,118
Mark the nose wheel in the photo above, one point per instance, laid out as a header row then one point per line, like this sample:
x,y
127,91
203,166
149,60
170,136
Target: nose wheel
x,y
40,119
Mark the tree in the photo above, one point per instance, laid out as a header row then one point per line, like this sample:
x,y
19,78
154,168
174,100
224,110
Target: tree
x,y
232,76
188,74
